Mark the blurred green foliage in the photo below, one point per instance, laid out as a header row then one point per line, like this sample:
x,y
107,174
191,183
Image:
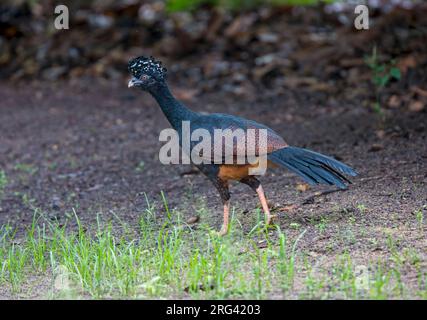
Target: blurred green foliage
x,y
382,74
188,5
3,182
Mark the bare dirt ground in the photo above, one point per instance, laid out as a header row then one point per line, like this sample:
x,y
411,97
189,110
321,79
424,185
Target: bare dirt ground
x,y
95,150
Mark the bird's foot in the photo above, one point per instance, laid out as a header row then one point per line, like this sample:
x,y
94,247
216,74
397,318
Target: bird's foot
x,y
270,219
223,231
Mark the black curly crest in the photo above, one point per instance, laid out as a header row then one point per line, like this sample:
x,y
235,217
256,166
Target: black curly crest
x,y
150,66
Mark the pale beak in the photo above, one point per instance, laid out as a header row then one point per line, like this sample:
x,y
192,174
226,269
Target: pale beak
x,y
133,82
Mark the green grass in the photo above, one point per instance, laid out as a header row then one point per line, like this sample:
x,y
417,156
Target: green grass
x,y
140,167
26,168
3,182
420,218
163,257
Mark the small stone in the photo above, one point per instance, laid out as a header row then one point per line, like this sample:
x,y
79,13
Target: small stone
x,y
376,147
193,220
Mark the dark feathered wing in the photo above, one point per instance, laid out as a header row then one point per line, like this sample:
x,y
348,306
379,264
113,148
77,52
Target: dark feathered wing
x,y
223,121
313,167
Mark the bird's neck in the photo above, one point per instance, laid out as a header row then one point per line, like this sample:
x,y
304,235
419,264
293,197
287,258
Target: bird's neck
x,y
175,111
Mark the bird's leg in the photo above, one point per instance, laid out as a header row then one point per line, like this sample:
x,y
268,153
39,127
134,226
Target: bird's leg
x,y
257,187
222,187
224,228
264,204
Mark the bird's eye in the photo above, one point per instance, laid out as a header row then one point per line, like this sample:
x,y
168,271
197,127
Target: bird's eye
x,y
144,77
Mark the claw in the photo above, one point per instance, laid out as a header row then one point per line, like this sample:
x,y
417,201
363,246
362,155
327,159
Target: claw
x,y
270,219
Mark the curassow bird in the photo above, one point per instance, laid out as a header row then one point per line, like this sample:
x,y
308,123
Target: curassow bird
x,y
315,168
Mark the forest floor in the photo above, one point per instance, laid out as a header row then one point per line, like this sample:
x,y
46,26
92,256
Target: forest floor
x,y
93,153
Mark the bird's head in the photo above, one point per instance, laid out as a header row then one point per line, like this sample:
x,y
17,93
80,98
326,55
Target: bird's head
x,y
146,73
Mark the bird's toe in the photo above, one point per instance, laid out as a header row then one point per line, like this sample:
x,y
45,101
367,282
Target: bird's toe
x,y
270,219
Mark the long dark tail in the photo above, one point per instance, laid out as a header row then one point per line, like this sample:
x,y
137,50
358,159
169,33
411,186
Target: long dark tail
x,y
313,167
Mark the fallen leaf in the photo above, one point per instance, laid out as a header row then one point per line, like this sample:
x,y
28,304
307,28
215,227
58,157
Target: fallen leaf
x,y
416,106
240,26
302,187
419,91
406,63
193,220
394,101
287,208
376,147
380,134
214,25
